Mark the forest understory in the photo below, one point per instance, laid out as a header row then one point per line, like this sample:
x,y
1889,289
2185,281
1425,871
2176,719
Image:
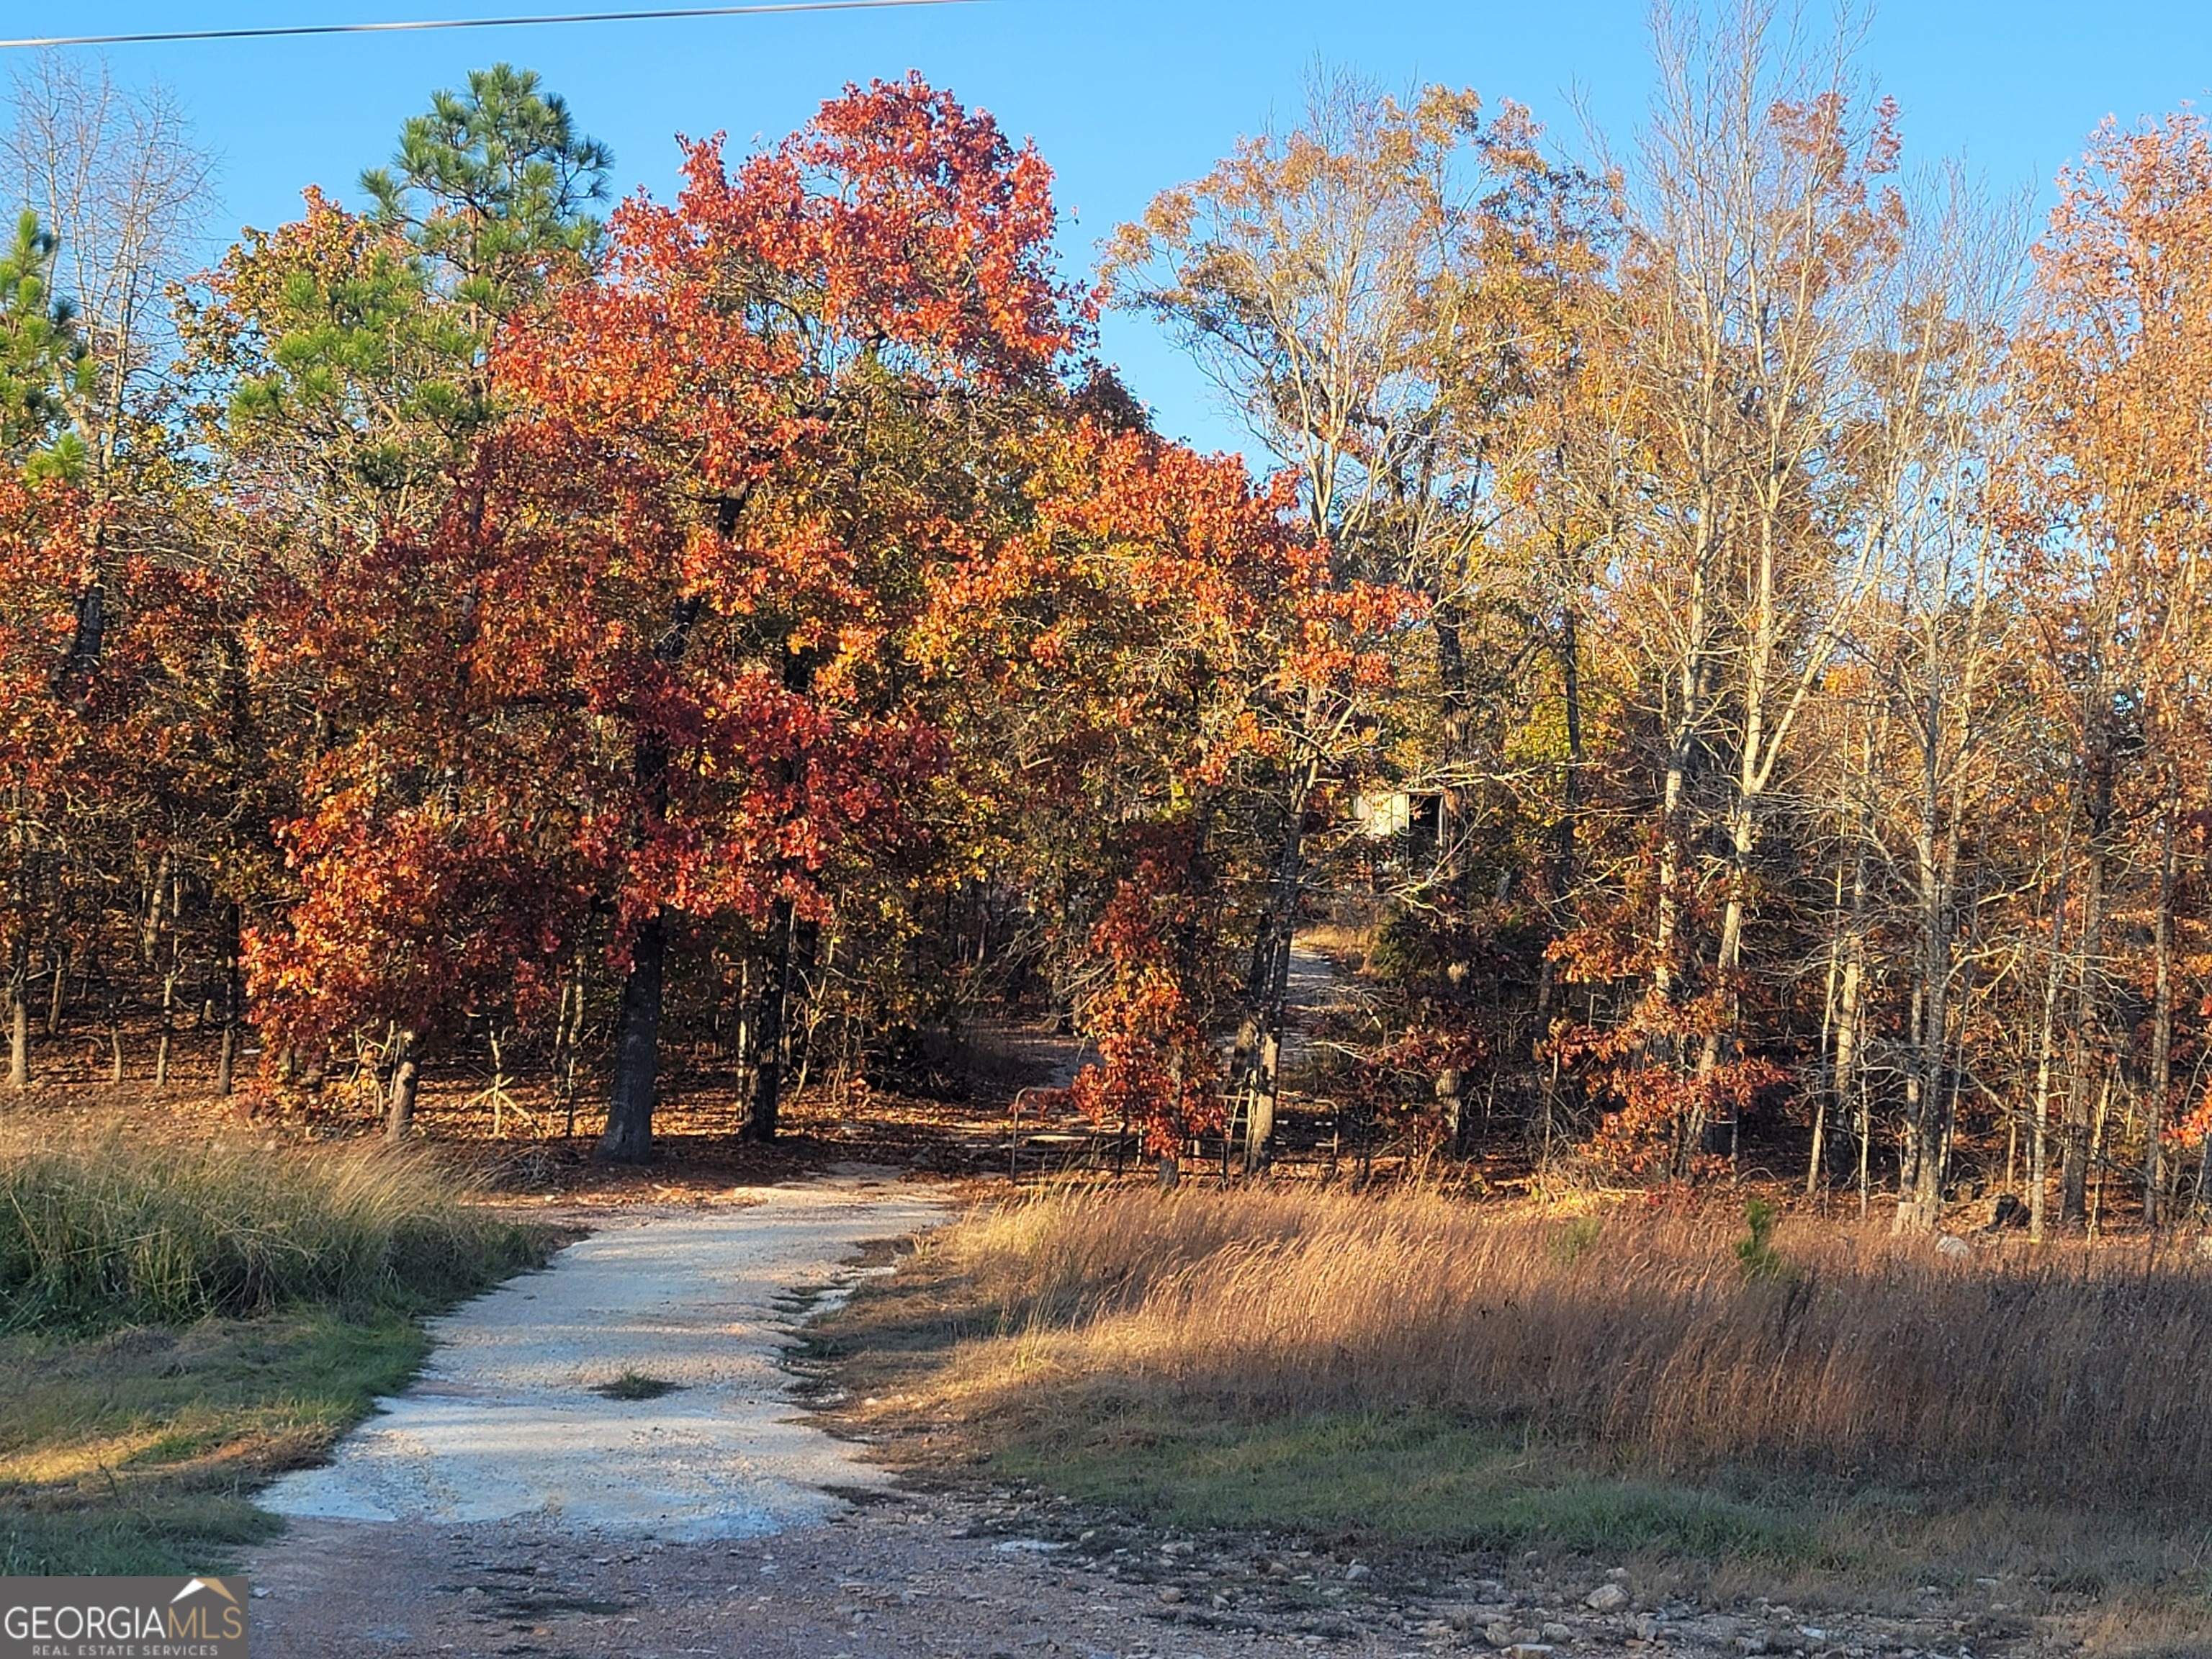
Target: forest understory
x,y
991,1099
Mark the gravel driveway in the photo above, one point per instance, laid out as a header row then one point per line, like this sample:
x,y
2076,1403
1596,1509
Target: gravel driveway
x,y
686,1314
501,1506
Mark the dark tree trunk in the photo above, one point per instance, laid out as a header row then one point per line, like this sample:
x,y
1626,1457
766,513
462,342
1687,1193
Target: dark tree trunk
x,y
73,680
1257,1063
630,1097
767,1031
406,1074
769,1037
233,1001
628,1136
19,1039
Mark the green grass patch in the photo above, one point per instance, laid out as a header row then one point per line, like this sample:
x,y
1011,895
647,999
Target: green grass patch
x,y
180,1323
1412,1479
139,1451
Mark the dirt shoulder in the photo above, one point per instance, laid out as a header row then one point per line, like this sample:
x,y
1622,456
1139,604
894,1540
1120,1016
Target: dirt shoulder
x,y
990,1578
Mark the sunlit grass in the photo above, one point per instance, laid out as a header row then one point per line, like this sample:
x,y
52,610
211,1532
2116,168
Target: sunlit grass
x,y
1814,1413
112,1224
185,1319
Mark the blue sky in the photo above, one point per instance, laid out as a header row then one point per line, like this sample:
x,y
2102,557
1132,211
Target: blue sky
x,y
1123,99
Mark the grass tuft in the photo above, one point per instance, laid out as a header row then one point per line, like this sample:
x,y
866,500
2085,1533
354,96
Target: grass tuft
x,y
110,1226
632,1385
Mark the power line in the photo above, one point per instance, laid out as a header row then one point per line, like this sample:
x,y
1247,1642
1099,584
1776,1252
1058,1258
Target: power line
x,y
471,23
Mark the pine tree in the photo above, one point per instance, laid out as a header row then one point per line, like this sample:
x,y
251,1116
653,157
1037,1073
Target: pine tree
x,y
42,357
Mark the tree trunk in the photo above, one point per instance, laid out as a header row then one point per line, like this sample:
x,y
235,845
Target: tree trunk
x,y
19,960
168,1024
1936,863
2038,1146
636,1085
406,1074
19,1038
1682,747
150,936
768,1029
628,1136
1842,1006
54,995
1565,858
2074,1178
1260,1126
2161,1030
568,1040
1458,705
1260,1037
1728,959
233,999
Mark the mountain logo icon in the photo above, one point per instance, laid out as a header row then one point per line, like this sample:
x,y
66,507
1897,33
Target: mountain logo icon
x,y
193,1586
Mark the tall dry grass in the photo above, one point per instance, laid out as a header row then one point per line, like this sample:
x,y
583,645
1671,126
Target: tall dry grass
x,y
110,1223
2066,1373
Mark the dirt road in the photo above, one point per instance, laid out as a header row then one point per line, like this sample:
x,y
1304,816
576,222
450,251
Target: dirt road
x,y
501,1507
681,1316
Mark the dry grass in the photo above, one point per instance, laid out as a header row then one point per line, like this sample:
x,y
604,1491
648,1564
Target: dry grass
x,y
1346,941
110,1221
2006,1447
2062,1374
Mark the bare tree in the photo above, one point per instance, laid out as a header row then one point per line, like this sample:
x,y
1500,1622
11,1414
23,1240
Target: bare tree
x,y
1764,235
114,173
1933,383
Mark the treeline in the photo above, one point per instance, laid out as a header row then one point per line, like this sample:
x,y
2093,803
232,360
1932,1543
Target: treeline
x,y
466,622
1734,609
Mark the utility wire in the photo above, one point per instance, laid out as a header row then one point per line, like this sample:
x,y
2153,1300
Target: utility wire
x,y
471,23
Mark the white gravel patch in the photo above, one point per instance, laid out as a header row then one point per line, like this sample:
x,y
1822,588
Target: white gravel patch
x,y
503,1422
